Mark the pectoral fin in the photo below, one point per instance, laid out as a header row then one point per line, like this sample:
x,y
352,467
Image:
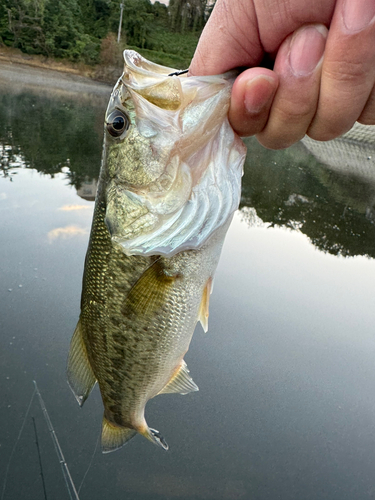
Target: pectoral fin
x,y
81,378
114,437
181,382
203,308
150,293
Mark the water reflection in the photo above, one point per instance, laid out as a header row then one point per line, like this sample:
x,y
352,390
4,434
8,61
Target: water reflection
x,y
51,135
286,372
334,207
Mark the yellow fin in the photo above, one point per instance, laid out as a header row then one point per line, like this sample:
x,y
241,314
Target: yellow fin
x,y
81,378
151,291
181,382
114,437
203,308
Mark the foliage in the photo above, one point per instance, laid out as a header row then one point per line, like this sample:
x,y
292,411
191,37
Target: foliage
x,y
80,30
188,15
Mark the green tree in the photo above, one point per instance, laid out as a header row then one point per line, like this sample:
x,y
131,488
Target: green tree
x,y
21,24
95,15
188,15
64,32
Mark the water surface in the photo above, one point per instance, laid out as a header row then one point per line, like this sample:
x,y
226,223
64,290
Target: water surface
x,y
286,407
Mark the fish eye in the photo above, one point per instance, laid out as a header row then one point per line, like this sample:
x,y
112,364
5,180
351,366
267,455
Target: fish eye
x,y
117,123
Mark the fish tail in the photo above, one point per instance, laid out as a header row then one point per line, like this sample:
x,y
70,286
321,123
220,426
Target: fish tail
x,y
114,437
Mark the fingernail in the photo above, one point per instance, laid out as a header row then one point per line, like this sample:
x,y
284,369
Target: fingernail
x,y
307,49
258,93
358,14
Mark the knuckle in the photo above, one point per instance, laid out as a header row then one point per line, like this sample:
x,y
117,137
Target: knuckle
x,y
300,111
345,71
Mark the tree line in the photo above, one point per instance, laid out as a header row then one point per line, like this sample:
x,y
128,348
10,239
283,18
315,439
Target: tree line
x,y
76,29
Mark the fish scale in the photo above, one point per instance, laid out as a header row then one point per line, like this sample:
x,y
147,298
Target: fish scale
x,y
139,308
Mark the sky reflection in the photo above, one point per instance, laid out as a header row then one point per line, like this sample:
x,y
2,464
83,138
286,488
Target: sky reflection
x,y
286,406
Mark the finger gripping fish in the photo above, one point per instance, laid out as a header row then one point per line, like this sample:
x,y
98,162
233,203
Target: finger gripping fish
x,y
169,184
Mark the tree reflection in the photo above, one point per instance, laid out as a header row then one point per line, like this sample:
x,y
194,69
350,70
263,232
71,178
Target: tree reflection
x,y
49,133
53,133
292,189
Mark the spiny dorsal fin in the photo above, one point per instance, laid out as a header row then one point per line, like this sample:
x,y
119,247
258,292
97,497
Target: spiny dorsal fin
x,y
81,378
203,308
113,437
181,382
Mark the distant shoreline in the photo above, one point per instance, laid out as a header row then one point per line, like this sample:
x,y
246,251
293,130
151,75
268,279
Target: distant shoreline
x,y
19,74
15,56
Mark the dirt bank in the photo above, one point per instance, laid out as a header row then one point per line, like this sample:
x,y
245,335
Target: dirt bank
x,y
12,56
19,75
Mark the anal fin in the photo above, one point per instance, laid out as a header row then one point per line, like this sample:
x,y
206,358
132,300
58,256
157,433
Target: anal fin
x,y
114,437
81,378
204,306
181,382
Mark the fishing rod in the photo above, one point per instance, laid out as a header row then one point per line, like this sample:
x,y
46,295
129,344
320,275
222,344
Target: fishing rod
x,y
40,459
64,466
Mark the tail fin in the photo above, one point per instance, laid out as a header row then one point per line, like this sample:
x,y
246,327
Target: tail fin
x,y
114,437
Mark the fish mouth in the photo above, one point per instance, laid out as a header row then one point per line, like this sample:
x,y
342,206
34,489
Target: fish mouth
x,y
138,64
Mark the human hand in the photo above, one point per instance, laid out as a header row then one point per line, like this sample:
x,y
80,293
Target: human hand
x,y
322,80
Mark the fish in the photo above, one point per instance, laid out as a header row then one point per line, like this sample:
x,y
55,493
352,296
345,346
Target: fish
x,y
169,183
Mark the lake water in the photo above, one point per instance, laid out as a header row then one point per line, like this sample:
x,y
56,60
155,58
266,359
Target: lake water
x,y
286,407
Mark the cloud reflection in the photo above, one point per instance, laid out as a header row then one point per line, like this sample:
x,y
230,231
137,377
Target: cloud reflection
x,y
68,208
65,232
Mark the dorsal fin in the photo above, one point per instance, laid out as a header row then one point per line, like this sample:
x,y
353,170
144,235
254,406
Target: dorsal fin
x,y
81,378
181,382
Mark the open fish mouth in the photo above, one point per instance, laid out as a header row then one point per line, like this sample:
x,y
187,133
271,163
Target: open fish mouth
x,y
169,183
188,183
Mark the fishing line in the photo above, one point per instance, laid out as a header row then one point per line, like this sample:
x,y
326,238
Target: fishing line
x,y
64,466
40,459
89,467
15,444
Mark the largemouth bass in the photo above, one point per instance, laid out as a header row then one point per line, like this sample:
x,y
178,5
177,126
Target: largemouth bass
x,y
169,184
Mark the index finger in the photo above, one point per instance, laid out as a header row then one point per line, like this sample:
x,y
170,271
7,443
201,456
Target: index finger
x,y
229,40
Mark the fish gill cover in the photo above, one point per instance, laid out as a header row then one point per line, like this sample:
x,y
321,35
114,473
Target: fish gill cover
x,y
169,184
177,165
